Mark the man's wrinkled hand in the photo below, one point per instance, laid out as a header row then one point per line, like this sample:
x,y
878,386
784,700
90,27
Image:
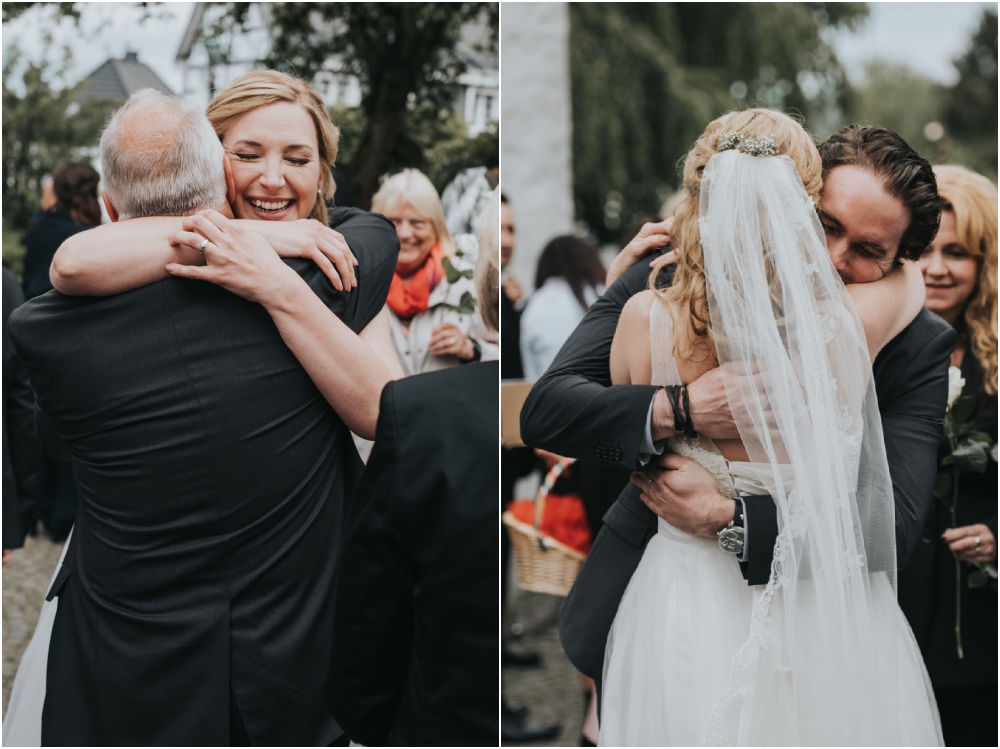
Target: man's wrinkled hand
x,y
684,494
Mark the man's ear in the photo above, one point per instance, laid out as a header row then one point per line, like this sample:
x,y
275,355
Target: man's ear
x,y
112,211
230,182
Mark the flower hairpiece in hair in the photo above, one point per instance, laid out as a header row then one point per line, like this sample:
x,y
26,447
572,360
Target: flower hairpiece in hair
x,y
752,146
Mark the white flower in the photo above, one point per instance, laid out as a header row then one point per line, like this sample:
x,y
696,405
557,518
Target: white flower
x,y
955,384
467,244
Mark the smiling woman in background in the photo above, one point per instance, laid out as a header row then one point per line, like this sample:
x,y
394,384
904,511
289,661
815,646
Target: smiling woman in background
x,y
960,274
432,300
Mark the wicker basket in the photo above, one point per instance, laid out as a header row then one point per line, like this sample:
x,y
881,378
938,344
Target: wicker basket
x,y
544,565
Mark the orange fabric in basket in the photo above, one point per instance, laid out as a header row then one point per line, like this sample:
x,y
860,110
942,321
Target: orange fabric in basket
x,y
564,519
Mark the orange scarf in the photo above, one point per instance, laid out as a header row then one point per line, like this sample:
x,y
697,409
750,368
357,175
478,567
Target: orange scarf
x,y
408,299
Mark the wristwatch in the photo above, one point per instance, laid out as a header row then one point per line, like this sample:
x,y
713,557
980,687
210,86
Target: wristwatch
x,y
477,350
733,536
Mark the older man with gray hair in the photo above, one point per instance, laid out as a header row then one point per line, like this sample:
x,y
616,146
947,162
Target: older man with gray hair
x,y
195,602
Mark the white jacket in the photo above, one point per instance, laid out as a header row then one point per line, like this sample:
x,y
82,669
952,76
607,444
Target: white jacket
x,y
448,303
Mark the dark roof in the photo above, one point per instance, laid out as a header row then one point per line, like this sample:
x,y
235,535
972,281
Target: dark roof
x,y
119,79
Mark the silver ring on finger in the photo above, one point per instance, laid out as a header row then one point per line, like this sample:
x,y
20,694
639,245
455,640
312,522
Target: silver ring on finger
x,y
451,341
649,482
202,246
978,542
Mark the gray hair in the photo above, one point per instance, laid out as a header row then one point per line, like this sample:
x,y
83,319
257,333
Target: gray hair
x,y
488,264
160,158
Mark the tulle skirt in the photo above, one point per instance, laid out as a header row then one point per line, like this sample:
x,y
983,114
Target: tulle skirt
x,y
22,723
683,619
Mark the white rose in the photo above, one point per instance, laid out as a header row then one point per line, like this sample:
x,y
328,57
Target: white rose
x,y
955,384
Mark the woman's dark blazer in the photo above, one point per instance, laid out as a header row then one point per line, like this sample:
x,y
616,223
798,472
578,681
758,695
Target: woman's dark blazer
x,y
927,585
416,641
47,231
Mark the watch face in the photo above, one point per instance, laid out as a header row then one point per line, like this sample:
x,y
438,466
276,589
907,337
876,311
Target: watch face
x,y
731,540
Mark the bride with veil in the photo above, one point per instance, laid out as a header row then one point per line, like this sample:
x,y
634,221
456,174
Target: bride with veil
x,y
821,654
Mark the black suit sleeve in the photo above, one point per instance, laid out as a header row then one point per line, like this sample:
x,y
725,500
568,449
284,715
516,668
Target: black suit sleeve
x,y
373,624
372,238
573,410
912,421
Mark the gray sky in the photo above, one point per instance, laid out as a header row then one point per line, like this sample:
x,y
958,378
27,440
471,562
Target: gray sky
x,y
925,36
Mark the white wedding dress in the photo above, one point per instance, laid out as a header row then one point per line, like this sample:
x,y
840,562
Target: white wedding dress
x,y
22,723
822,654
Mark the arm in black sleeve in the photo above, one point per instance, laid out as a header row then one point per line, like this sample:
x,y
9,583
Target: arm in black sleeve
x,y
912,410
373,623
574,410
372,238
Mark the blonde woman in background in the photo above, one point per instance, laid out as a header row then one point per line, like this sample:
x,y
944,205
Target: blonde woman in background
x,y
432,300
960,274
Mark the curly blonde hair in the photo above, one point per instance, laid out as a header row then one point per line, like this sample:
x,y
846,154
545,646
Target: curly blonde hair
x,y
263,87
688,286
973,200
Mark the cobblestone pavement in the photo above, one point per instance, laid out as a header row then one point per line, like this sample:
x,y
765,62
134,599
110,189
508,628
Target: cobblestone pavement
x,y
25,581
552,691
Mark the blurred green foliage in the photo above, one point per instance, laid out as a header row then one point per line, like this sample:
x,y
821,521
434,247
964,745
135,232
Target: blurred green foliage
x,y
405,57
438,142
43,125
647,78
13,250
907,102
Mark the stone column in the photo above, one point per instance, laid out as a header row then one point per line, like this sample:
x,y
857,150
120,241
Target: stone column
x,y
536,127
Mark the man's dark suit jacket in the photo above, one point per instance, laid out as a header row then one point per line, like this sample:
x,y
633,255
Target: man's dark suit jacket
x,y
212,477
574,410
21,452
416,636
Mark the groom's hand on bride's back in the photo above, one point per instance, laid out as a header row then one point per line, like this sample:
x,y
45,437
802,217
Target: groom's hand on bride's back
x,y
684,493
651,237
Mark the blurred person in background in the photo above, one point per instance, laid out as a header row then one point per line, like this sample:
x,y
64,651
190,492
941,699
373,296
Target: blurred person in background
x,y
568,279
515,463
21,453
432,300
72,198
511,367
69,206
414,634
960,275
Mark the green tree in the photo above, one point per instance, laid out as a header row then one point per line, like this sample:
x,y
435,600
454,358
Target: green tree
x,y
970,110
897,97
647,78
405,56
42,126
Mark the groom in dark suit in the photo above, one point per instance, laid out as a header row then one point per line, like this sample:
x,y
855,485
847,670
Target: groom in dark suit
x,y
574,411
196,599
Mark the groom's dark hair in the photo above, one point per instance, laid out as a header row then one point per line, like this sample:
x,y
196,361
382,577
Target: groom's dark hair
x,y
906,175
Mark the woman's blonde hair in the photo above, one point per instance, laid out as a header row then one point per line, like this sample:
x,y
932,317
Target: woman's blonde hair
x,y
263,87
488,265
412,187
688,286
973,200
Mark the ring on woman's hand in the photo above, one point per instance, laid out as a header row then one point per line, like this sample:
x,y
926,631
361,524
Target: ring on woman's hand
x,y
451,341
202,246
649,482
976,539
